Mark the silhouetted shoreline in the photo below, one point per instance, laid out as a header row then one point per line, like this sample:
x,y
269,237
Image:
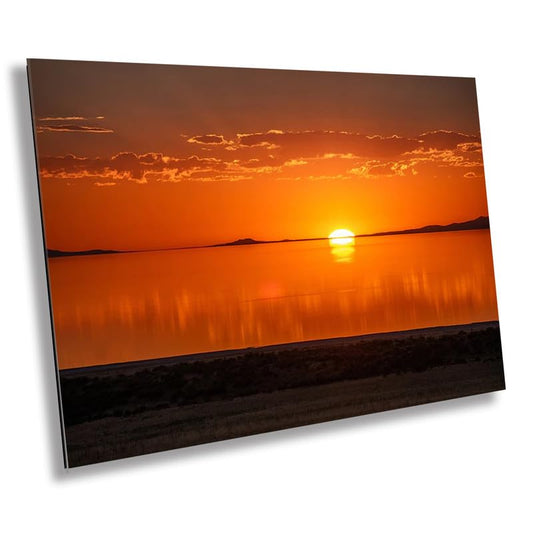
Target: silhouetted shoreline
x,y
61,253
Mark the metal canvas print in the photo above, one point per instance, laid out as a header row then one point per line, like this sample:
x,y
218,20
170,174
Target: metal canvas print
x,y
232,251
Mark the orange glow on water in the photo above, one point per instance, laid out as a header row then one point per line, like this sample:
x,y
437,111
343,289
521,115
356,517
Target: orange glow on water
x,y
146,305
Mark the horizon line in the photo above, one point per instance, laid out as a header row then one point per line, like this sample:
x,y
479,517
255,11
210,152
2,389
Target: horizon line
x,y
238,241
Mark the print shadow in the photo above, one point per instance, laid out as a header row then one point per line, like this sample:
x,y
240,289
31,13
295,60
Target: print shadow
x,y
35,252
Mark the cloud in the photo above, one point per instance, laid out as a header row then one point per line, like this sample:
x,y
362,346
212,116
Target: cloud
x,y
471,175
470,147
295,162
130,166
207,139
73,128
71,124
69,118
444,139
445,158
150,158
314,143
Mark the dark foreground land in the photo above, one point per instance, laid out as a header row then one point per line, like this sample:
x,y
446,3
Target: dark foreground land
x,y
119,411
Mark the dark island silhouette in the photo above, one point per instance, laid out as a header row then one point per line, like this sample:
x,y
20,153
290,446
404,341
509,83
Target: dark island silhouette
x,y
248,240
478,223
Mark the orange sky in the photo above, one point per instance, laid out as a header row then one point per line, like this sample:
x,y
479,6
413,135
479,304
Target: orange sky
x,y
151,156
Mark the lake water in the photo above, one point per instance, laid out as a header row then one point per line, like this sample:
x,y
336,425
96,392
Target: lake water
x,y
125,307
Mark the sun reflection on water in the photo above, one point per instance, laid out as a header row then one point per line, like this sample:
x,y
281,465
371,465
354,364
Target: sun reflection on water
x,y
342,253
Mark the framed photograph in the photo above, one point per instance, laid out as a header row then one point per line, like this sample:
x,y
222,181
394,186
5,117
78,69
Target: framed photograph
x,y
232,251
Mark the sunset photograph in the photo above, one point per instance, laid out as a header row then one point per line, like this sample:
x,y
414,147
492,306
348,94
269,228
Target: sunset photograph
x,y
233,251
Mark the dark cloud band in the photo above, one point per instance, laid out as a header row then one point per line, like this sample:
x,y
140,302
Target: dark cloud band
x,y
283,155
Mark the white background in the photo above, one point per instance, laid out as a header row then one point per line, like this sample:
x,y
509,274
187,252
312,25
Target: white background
x,y
462,465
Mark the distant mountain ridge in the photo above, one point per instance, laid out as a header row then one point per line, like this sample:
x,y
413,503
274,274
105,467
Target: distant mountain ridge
x,y
475,224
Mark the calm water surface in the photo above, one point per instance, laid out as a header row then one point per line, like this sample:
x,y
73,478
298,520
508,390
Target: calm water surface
x,y
124,307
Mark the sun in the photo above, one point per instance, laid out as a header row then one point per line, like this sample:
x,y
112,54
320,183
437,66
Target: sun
x,y
341,237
